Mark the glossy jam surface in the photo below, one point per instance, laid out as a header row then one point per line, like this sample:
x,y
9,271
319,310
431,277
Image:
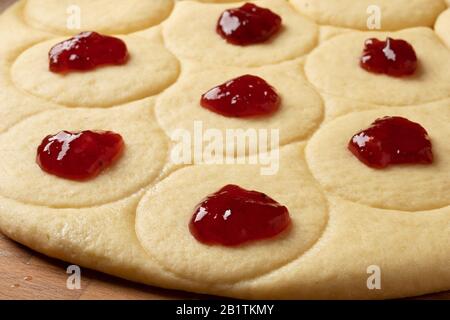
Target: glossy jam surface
x,y
87,51
392,140
248,25
392,57
233,216
79,156
246,96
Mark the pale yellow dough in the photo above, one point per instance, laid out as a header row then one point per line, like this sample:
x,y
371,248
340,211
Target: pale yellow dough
x,y
132,220
214,1
106,16
338,106
100,237
442,27
411,250
341,54
402,187
159,226
328,32
300,112
198,40
144,157
149,70
335,266
16,37
395,14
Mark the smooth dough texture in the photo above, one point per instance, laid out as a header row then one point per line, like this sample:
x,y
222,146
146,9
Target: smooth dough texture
x,y
442,27
190,32
358,239
104,238
106,16
16,37
132,220
400,187
338,106
342,53
398,14
300,112
216,1
149,70
328,32
100,237
144,157
164,233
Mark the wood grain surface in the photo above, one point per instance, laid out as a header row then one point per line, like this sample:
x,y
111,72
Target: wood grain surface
x,y
5,3
25,274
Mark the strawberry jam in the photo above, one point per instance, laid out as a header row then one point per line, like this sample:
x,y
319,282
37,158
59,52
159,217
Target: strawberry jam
x,y
87,51
248,25
246,96
233,216
79,156
392,140
395,58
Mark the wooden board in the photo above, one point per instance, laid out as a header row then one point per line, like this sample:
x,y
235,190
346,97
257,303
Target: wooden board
x,y
5,3
25,274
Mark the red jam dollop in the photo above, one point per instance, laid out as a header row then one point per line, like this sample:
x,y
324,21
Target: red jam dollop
x,y
233,216
79,156
87,51
392,140
246,96
392,57
248,25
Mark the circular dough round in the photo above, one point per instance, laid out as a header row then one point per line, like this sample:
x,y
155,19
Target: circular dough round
x,y
163,216
442,27
15,105
190,33
400,187
348,79
93,224
395,15
144,157
150,69
106,16
358,237
300,113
